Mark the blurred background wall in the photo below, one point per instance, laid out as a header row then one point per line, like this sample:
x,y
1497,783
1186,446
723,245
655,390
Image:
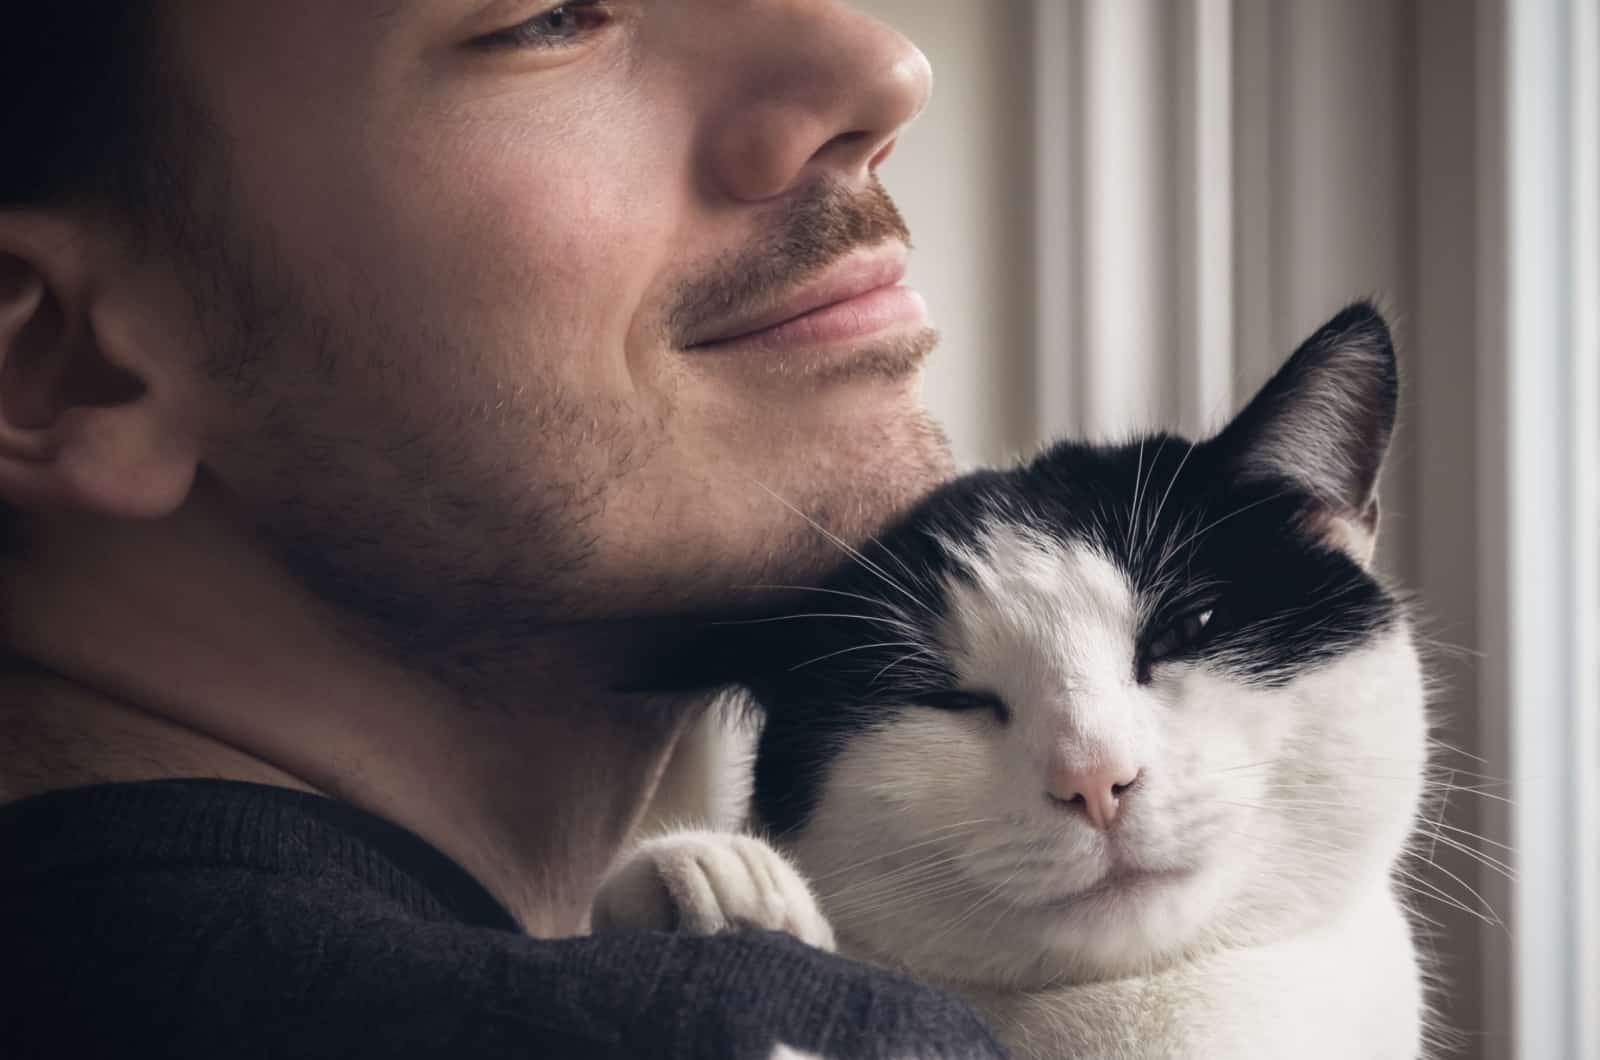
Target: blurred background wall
x,y
1127,212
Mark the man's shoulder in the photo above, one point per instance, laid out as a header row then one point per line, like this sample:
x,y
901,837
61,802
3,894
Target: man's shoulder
x,y
207,935
238,962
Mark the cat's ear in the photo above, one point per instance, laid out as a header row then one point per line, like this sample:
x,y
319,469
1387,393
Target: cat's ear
x,y
1323,424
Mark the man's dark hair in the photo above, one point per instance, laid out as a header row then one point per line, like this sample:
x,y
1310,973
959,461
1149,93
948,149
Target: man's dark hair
x,y
72,80
73,90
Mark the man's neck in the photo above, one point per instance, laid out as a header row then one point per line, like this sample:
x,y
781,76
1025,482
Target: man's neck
x,y
165,655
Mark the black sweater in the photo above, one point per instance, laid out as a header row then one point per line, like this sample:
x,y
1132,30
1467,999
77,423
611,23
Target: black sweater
x,y
203,918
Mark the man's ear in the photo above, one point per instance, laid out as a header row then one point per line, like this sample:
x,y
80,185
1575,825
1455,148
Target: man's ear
x,y
1323,423
85,422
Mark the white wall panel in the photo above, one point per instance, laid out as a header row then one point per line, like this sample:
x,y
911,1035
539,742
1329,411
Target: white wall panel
x,y
962,177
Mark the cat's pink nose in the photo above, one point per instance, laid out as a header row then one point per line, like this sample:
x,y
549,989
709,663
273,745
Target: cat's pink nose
x,y
1096,791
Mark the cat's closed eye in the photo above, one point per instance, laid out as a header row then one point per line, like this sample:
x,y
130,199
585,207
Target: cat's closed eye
x,y
963,700
1183,633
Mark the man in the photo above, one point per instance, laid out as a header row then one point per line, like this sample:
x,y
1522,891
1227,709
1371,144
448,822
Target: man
x,y
377,379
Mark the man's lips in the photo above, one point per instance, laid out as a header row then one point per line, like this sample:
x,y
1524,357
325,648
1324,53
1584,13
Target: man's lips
x,y
856,297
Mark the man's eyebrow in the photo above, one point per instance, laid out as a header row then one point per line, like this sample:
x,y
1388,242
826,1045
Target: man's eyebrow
x,y
386,11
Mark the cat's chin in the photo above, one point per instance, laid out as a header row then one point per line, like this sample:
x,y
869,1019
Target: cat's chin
x,y
1112,891
1130,923
1126,924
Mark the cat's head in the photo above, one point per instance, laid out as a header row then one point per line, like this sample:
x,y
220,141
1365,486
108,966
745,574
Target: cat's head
x,y
1082,717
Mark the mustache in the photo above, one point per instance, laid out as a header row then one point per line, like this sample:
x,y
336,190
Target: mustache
x,y
816,229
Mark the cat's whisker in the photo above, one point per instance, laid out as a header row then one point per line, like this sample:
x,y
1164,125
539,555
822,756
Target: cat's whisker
x,y
1487,914
1288,804
915,868
1002,914
1149,524
1250,765
1459,651
923,884
915,874
1478,785
898,560
1432,894
1346,780
1464,885
1168,551
929,852
977,905
903,627
934,884
1133,516
1450,748
1474,835
854,648
1488,861
848,549
1433,772
1431,767
830,592
920,652
1161,506
1417,914
941,834
1329,855
1444,805
934,880
1475,790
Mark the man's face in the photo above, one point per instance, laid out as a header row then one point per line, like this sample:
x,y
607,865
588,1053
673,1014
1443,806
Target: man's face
x,y
461,268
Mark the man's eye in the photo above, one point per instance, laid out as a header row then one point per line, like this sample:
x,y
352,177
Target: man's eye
x,y
553,28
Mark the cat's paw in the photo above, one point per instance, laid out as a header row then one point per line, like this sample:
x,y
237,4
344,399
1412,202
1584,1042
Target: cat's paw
x,y
703,883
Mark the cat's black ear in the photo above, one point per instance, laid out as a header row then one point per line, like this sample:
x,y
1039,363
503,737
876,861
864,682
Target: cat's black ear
x,y
1323,424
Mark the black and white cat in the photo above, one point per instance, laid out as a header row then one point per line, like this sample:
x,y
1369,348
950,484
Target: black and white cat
x,y
1124,745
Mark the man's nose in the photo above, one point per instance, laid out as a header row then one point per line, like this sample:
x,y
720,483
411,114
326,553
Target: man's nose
x,y
822,91
1095,791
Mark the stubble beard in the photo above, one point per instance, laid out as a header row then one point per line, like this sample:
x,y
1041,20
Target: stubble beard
x,y
458,567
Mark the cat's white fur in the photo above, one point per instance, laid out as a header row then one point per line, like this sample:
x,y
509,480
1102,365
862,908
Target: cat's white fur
x,y
703,883
1278,815
706,781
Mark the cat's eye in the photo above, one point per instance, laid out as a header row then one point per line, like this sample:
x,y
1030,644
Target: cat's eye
x,y
958,699
1178,636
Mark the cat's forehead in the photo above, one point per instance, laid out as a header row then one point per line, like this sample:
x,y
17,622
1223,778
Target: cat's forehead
x,y
1092,521
1024,605
1021,575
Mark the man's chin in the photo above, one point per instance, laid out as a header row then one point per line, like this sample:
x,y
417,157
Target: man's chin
x,y
816,515
788,492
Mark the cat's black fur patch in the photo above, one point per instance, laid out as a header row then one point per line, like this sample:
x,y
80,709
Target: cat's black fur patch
x,y
1226,525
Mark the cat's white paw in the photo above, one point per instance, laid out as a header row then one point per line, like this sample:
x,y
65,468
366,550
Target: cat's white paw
x,y
703,883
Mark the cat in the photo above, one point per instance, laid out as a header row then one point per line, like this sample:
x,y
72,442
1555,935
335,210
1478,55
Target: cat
x,y
1124,744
